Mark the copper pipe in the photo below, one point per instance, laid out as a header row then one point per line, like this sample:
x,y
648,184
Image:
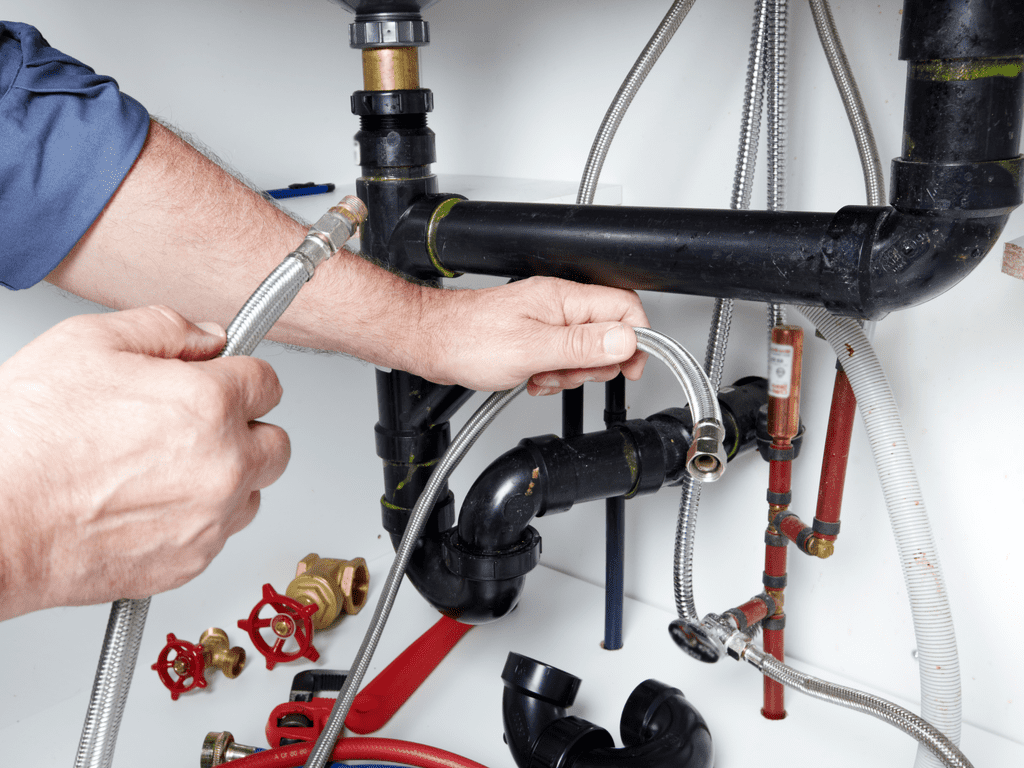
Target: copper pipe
x,y
784,374
391,69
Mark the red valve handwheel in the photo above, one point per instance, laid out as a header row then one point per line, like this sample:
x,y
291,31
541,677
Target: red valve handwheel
x,y
187,664
291,619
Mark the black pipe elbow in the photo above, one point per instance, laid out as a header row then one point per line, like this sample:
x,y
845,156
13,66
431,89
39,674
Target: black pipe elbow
x,y
476,592
659,727
879,260
475,572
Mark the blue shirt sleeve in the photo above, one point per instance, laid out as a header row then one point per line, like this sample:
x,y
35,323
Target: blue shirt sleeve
x,y
68,137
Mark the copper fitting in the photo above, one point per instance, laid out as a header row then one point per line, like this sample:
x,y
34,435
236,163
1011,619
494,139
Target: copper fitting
x,y
779,597
784,364
391,69
332,585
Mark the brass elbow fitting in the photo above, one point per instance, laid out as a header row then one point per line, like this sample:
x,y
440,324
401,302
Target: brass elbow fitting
x,y
332,585
822,548
218,653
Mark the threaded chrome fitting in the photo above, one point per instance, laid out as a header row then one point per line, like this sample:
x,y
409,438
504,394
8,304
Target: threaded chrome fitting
x,y
706,458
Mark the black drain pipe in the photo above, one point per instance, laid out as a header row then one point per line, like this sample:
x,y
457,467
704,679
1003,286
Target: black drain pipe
x,y
475,572
660,728
956,182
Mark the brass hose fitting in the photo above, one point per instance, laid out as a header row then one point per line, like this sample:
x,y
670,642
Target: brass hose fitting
x,y
332,585
220,748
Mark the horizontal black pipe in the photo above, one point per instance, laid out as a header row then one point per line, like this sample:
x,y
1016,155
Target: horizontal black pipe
x,y
957,180
659,249
862,261
659,727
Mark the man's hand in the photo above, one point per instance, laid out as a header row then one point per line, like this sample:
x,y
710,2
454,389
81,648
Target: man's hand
x,y
163,239
128,457
556,333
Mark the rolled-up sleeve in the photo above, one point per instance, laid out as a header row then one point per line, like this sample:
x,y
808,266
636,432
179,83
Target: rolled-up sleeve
x,y
68,137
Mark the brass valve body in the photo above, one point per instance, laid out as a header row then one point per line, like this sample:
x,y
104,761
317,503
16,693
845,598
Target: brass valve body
x,y
218,653
332,585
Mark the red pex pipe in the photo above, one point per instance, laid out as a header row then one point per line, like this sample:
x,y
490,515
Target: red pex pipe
x,y
837,452
387,750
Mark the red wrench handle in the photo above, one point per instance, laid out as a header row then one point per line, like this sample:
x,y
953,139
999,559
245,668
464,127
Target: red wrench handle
x,y
389,690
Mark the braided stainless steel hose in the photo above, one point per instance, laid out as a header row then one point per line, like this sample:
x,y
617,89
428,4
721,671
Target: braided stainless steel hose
x,y
777,129
629,88
775,80
706,459
895,715
127,621
110,686
750,119
721,316
871,162
717,636
947,753
460,445
276,292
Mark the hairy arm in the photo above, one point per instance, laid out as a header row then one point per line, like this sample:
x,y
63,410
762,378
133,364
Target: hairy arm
x,y
182,232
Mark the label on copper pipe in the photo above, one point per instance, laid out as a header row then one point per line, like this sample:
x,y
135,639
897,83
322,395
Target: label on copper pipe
x,y
780,370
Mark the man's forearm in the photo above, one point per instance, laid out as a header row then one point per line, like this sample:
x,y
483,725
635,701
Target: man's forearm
x,y
182,232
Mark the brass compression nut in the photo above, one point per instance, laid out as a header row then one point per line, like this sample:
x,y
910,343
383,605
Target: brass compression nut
x,y
218,653
332,585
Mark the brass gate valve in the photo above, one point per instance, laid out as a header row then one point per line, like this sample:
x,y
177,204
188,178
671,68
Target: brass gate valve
x,y
182,665
332,585
321,590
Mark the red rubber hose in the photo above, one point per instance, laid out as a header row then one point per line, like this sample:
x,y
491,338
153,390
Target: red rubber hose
x,y
389,750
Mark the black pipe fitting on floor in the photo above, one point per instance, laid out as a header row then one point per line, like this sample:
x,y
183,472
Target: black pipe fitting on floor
x,y
475,572
659,727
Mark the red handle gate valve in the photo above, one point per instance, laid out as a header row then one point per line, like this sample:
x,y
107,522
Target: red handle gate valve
x,y
184,670
291,620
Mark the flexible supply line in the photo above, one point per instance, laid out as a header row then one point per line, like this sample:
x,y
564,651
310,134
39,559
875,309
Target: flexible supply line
x,y
706,460
870,160
922,572
127,622
717,636
776,87
844,405
460,445
629,88
615,390
930,738
113,678
721,316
